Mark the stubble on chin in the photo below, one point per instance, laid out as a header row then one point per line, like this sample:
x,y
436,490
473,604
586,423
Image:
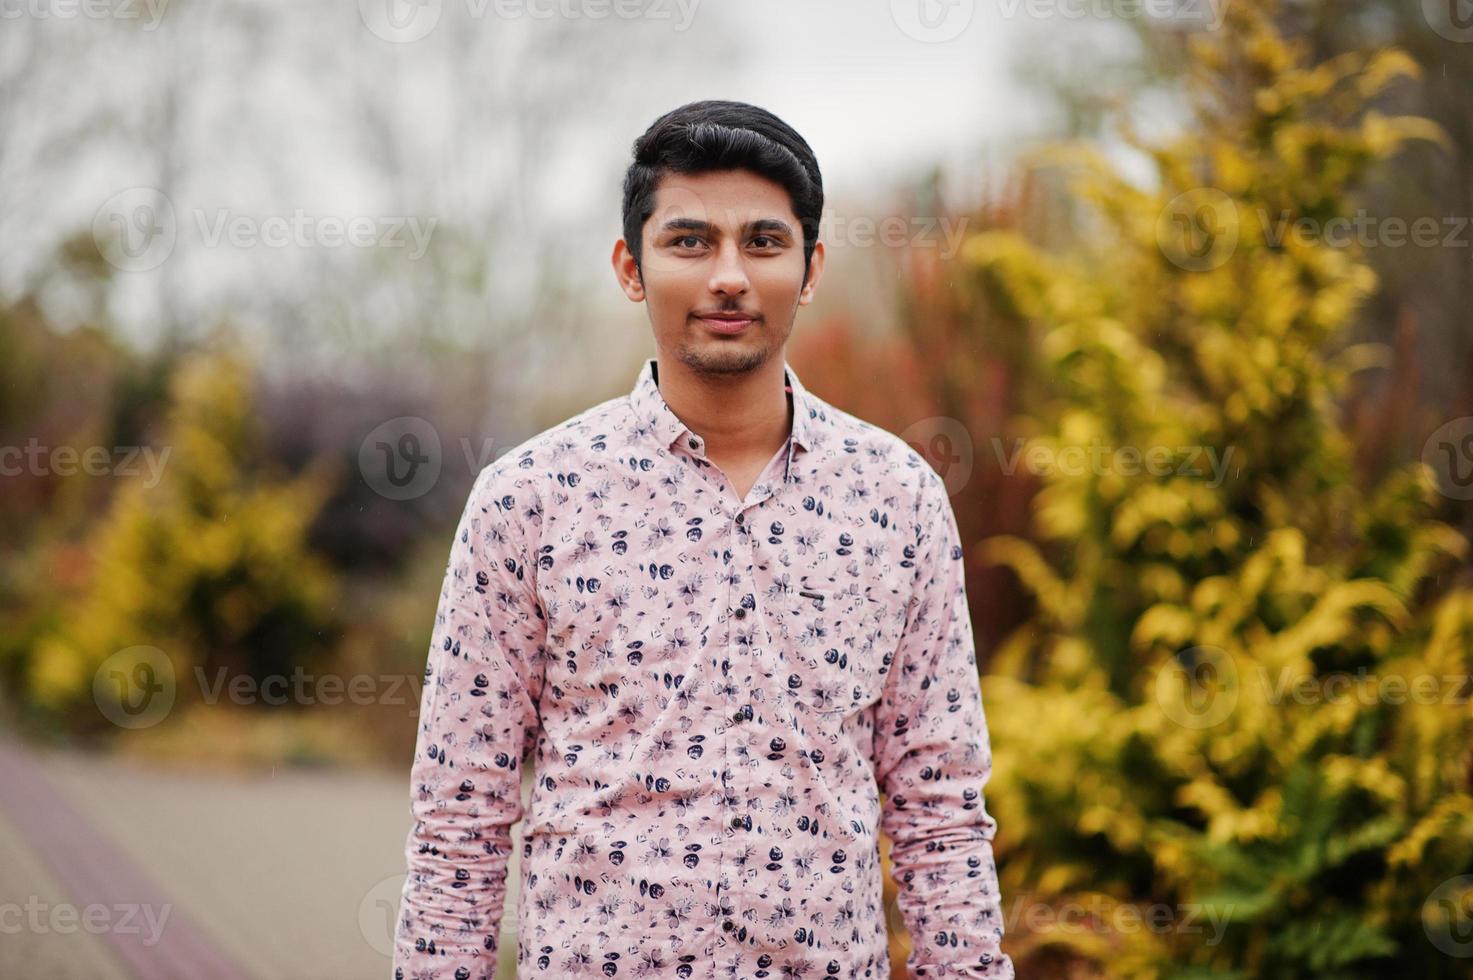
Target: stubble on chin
x,y
718,359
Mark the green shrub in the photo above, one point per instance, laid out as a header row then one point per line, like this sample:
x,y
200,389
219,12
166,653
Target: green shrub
x,y
1202,715
206,561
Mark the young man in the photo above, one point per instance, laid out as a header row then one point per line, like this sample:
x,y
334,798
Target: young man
x,y
723,616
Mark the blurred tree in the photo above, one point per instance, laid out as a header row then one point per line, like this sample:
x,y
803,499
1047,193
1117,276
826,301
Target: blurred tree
x,y
1202,716
1419,305
75,391
209,565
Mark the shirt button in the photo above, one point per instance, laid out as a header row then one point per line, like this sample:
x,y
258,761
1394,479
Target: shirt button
x,y
739,716
741,612
694,444
741,518
736,823
728,925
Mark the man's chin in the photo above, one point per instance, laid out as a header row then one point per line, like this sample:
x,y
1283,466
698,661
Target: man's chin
x,y
715,356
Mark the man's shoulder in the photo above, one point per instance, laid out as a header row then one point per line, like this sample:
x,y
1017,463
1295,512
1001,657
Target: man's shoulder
x,y
876,447
562,444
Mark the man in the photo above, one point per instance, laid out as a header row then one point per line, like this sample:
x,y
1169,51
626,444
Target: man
x,y
722,616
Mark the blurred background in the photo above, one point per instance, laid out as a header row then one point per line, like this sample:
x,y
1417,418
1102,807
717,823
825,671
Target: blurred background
x,y
1173,293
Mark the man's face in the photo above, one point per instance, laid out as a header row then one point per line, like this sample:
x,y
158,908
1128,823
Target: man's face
x,y
722,264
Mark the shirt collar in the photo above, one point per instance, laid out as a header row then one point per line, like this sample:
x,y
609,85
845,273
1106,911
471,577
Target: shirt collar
x,y
665,427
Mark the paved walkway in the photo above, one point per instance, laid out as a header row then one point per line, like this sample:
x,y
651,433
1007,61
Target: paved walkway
x,y
291,875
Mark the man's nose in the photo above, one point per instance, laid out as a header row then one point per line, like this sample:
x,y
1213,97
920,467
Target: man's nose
x,y
730,273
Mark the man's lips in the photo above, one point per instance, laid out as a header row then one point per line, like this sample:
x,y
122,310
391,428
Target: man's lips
x,y
727,322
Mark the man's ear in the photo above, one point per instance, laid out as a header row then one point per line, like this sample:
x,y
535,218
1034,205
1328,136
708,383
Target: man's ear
x,y
815,272
627,271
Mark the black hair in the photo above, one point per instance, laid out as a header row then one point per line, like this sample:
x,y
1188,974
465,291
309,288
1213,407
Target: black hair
x,y
721,135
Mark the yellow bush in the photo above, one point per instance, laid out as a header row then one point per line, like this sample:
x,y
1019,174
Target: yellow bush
x,y
1233,699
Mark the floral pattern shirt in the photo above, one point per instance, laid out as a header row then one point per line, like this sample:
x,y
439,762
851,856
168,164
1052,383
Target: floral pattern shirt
x,y
715,694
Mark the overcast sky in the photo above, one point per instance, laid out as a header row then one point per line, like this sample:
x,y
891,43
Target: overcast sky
x,y
332,108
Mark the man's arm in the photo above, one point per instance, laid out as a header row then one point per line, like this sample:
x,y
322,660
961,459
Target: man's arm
x,y
932,761
478,713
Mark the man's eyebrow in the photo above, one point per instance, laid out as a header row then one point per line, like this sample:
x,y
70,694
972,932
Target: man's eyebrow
x,y
759,225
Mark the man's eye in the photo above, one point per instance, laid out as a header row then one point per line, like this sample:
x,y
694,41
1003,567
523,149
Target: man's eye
x,y
771,242
680,242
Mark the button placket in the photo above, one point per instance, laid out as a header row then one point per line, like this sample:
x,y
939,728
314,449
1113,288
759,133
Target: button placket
x,y
741,713
745,600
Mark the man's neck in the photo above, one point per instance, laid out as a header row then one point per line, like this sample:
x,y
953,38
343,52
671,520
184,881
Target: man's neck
x,y
742,416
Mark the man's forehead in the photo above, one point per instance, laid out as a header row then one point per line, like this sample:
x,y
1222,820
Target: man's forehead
x,y
734,202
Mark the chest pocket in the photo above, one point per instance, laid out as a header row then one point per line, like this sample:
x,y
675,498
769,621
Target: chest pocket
x,y
836,646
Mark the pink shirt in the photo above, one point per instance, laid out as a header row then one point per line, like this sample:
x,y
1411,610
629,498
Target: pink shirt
x,y
715,692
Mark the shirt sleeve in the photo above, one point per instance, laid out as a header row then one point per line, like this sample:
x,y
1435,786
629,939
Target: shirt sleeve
x,y
478,713
932,761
